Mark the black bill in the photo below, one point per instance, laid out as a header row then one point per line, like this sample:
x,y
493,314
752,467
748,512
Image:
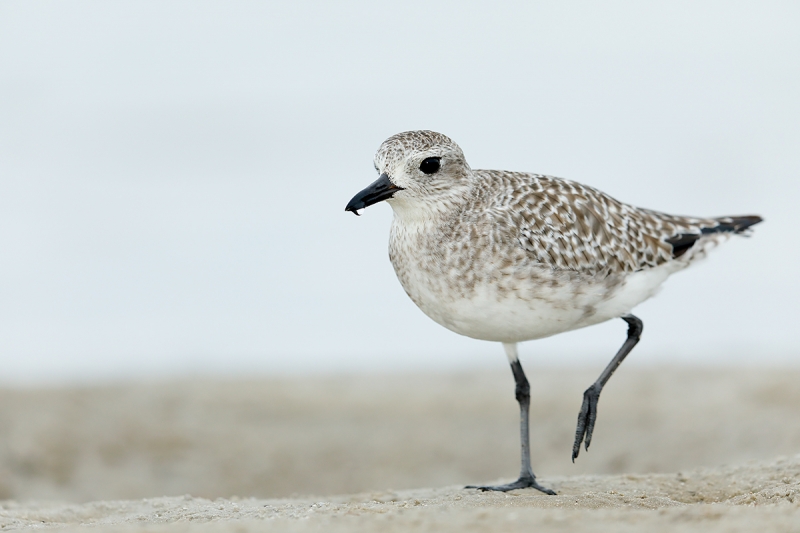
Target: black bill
x,y
378,191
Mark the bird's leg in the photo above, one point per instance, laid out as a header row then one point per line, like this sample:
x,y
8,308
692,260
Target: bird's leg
x,y
523,393
588,414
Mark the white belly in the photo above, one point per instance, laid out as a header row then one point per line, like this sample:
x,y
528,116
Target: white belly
x,y
538,307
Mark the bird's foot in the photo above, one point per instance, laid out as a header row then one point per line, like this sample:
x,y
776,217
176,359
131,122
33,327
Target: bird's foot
x,y
524,482
586,420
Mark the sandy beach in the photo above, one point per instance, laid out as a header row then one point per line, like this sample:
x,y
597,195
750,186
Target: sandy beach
x,y
675,449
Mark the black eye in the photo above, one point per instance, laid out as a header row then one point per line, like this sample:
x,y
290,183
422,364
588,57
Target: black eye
x,y
430,165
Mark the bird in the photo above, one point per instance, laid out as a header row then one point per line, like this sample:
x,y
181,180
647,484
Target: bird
x,y
512,256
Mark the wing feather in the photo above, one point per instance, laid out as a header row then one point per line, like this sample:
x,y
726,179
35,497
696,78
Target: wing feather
x,y
570,226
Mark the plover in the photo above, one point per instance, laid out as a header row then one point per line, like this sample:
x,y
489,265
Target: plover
x,y
510,256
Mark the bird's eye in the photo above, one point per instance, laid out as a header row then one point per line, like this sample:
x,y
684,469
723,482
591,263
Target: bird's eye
x,y
430,165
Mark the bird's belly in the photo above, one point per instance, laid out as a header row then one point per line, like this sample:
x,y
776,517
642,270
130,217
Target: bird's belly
x,y
544,305
509,319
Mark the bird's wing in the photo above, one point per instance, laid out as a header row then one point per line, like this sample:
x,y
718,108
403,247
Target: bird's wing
x,y
569,226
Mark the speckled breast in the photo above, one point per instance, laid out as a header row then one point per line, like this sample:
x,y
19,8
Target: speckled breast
x,y
479,292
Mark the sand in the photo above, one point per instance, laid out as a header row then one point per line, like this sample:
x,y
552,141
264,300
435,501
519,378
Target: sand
x,y
681,449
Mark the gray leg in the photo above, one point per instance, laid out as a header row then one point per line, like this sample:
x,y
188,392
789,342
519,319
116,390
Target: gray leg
x,y
526,477
588,414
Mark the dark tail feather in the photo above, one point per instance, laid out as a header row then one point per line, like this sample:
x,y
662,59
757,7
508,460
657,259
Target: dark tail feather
x,y
682,242
734,224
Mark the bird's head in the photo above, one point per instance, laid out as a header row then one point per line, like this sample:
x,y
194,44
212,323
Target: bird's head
x,y
419,170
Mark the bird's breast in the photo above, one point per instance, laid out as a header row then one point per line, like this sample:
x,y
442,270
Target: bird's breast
x,y
498,292
478,292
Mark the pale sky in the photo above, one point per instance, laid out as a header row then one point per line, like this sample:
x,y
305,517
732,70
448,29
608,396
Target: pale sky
x,y
173,174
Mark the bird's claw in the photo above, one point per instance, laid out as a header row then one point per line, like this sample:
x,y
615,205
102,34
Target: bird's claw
x,y
524,482
586,420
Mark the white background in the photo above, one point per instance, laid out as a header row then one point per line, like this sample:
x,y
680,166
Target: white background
x,y
173,174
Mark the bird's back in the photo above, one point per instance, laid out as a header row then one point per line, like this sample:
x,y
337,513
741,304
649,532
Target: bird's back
x,y
570,226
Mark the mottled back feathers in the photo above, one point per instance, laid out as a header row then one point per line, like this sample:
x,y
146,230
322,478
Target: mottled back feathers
x,y
570,226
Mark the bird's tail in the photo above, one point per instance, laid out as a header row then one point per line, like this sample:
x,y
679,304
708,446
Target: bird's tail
x,y
683,242
732,224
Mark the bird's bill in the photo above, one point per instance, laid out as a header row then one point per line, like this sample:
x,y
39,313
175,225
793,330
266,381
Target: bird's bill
x,y
378,191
